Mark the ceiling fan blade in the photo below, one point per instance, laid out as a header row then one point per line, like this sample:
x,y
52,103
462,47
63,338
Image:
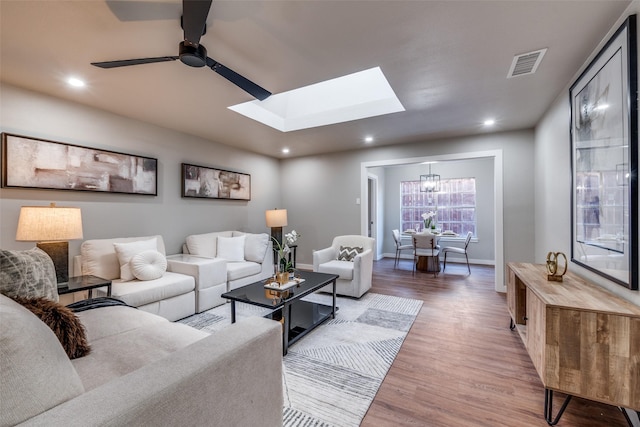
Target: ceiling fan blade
x,y
194,19
127,62
238,80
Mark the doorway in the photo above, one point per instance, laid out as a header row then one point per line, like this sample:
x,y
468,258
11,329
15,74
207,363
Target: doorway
x,y
496,155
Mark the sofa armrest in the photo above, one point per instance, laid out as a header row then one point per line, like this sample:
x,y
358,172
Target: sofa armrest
x,y
323,255
207,272
231,378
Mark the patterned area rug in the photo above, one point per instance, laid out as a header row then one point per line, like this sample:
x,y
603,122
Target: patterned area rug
x,y
332,375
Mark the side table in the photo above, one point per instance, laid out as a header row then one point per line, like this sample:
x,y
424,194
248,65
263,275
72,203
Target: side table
x,y
84,283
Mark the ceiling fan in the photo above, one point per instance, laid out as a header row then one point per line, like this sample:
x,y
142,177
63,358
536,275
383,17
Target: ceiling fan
x,y
192,53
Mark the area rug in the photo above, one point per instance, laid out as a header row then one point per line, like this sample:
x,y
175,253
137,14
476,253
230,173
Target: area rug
x,y
332,375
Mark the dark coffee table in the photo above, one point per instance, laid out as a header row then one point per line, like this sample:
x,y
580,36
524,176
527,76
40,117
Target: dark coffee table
x,y
298,317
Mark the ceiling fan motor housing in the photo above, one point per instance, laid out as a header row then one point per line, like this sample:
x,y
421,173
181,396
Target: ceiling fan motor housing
x,y
193,56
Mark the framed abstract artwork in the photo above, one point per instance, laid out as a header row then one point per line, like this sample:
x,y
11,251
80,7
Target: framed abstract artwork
x,y
37,163
604,161
209,183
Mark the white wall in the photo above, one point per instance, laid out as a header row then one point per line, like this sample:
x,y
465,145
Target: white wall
x,y
481,169
320,191
553,179
111,215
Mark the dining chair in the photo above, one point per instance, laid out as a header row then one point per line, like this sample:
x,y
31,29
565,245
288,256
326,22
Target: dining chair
x,y
399,246
456,250
424,245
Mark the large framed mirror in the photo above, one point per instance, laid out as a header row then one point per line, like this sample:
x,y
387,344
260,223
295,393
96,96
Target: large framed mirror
x,y
604,161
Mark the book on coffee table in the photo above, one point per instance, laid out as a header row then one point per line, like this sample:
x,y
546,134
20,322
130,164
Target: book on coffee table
x,y
278,287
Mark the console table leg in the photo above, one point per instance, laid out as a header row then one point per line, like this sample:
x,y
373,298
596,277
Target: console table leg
x,y
626,415
548,407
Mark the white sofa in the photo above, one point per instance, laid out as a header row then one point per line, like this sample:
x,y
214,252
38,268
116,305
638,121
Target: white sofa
x,y
354,275
172,296
248,256
142,371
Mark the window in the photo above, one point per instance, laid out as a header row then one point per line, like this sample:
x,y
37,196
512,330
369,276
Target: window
x,y
455,205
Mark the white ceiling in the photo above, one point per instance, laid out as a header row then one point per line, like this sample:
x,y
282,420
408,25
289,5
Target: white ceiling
x,y
446,60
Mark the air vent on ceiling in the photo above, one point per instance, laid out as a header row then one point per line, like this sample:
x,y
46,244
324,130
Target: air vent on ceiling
x,y
526,63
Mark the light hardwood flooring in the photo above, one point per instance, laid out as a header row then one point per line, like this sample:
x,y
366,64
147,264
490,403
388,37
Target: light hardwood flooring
x,y
460,365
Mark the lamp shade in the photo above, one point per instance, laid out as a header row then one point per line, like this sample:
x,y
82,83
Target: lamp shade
x,y
49,224
276,218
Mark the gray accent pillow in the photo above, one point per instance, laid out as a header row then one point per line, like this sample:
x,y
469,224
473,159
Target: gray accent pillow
x,y
28,274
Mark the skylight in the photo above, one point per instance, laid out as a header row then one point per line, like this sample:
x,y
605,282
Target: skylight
x,y
352,97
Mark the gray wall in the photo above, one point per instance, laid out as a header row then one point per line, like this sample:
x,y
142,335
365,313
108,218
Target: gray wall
x,y
321,191
481,169
110,215
553,179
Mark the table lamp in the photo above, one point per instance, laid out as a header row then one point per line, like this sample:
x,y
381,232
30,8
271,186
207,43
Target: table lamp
x,y
276,219
52,227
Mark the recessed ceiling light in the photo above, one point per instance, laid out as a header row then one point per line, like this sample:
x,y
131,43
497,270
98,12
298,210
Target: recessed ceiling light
x,y
75,82
285,151
489,122
368,139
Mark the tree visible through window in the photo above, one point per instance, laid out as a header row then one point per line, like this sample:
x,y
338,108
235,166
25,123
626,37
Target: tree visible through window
x,y
455,205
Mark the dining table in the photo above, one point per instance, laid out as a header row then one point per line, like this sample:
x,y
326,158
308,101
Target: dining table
x,y
429,264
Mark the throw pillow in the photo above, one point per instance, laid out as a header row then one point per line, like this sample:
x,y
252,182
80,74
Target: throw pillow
x,y
231,248
28,274
36,373
255,247
126,251
62,321
348,253
148,265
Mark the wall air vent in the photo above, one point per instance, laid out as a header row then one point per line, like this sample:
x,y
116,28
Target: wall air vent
x,y
526,63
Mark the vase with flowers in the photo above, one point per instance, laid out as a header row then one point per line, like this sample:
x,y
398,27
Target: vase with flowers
x,y
429,219
284,266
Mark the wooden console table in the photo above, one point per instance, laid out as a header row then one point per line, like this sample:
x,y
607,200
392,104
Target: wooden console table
x,y
583,340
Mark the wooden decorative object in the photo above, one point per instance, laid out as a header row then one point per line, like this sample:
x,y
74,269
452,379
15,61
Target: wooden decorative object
x,y
552,266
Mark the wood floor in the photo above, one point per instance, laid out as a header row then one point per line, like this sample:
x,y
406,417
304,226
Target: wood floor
x,y
460,365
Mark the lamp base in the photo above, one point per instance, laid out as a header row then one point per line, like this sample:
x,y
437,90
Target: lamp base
x,y
59,253
276,233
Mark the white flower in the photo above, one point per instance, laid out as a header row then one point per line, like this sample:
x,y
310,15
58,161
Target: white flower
x,y
292,237
428,215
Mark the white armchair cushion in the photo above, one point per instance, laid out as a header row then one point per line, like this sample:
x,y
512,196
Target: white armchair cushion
x,y
239,270
344,269
126,251
231,248
148,265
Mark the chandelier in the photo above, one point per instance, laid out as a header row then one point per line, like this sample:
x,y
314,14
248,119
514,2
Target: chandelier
x,y
430,183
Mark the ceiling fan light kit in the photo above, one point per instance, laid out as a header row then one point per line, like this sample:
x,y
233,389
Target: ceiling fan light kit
x,y
192,53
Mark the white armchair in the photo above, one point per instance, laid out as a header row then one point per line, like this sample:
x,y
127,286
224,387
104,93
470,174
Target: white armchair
x,y
354,274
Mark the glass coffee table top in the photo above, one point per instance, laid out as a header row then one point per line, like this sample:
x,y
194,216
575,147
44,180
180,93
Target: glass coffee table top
x,y
257,294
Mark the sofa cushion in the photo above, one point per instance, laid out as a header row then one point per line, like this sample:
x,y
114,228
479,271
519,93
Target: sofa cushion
x,y
28,274
148,265
231,248
138,293
344,269
240,270
255,247
113,320
126,251
36,373
348,253
140,341
99,255
62,321
205,245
